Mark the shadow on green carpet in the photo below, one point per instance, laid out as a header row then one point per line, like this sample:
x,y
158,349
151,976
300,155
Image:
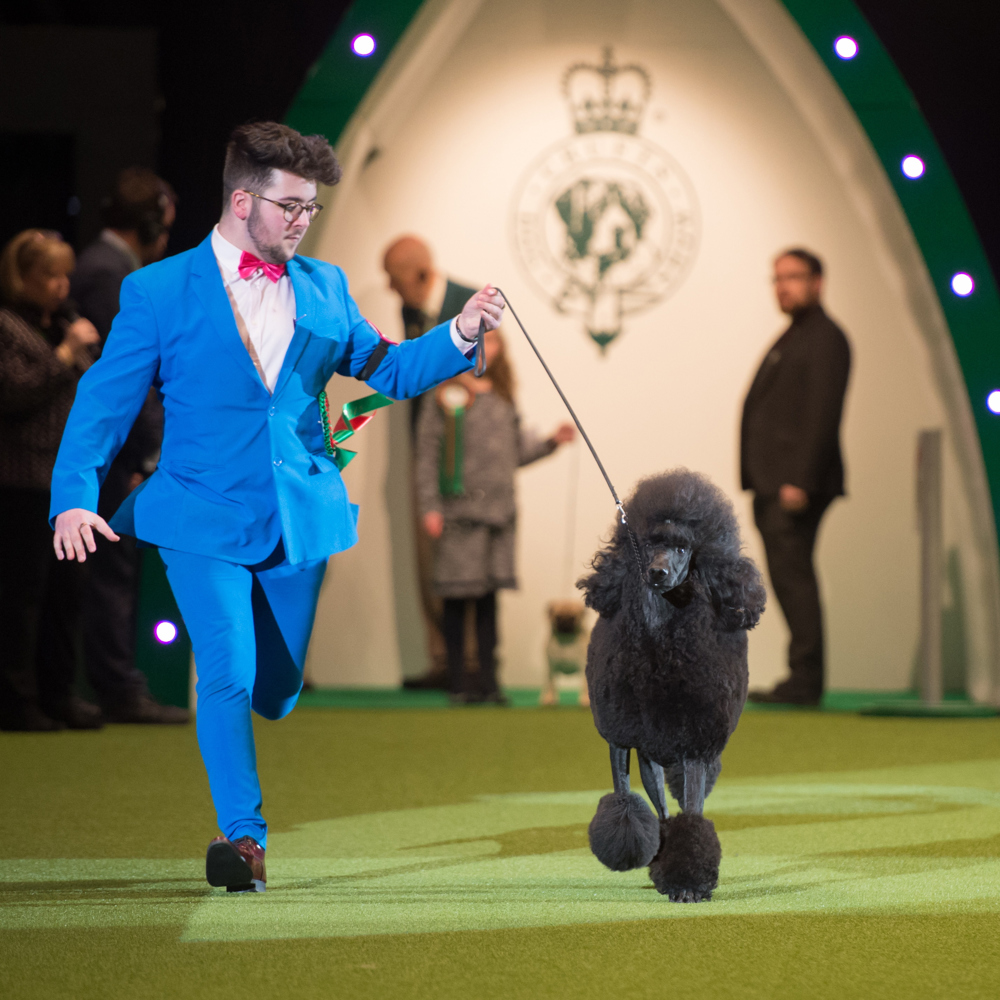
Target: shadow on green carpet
x,y
443,854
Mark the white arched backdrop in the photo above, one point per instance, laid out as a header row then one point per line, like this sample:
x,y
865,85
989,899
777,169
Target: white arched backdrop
x,y
464,106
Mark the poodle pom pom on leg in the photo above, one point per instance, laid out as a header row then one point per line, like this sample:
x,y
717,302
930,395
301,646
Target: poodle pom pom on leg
x,y
686,867
624,832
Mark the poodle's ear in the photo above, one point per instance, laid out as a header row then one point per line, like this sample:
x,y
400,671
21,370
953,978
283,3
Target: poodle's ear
x,y
603,588
737,591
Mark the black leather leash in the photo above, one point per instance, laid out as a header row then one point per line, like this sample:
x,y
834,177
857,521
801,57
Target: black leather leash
x,y
481,368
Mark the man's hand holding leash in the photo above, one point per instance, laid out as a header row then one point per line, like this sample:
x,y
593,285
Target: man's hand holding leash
x,y
488,305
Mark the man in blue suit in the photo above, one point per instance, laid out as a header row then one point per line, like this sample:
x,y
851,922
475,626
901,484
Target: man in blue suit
x,y
239,336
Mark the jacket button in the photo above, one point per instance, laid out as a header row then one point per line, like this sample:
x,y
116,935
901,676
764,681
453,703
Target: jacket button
x,y
277,461
271,412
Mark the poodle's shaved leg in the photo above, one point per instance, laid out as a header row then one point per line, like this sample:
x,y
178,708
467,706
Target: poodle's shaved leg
x,y
652,780
619,767
694,787
624,834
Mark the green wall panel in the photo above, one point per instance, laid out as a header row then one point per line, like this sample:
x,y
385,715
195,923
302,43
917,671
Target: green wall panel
x,y
167,668
933,204
339,79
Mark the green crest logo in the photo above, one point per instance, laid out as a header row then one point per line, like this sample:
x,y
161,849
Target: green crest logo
x,y
604,222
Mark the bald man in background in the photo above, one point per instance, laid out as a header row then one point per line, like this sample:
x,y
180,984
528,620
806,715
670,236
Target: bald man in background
x,y
429,298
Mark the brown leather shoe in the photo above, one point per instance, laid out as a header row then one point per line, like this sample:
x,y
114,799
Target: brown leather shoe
x,y
236,864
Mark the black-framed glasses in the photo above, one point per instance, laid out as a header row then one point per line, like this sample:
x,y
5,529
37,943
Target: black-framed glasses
x,y
292,209
797,276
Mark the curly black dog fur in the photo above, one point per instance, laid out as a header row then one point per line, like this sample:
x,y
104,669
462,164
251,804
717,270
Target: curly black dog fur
x,y
624,834
686,867
667,670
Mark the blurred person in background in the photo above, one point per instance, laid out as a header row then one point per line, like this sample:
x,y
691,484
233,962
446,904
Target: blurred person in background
x,y
791,459
469,445
428,298
44,349
138,215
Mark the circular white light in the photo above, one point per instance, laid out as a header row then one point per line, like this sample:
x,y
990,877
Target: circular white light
x,y
962,284
363,45
993,401
845,47
913,167
165,632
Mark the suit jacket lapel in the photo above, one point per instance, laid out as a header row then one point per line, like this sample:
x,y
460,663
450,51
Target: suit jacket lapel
x,y
769,366
304,307
209,287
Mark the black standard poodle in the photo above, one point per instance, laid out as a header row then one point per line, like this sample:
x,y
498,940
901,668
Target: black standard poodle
x,y
667,674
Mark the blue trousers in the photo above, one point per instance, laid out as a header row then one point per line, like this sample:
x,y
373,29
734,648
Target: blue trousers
x,y
249,628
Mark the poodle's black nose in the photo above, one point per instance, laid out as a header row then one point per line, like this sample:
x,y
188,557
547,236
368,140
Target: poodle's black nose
x,y
669,567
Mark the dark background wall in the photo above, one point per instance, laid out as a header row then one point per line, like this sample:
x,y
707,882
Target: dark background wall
x,y
105,83
69,121
187,73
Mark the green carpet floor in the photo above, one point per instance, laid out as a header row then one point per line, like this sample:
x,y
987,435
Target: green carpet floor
x,y
442,854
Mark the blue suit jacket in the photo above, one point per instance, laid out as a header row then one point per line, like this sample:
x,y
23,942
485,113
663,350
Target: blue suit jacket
x,y
240,468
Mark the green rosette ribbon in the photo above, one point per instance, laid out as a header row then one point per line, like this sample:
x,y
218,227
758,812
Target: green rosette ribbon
x,y
450,481
454,400
353,416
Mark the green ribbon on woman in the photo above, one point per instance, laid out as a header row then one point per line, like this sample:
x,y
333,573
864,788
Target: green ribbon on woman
x,y
452,454
454,400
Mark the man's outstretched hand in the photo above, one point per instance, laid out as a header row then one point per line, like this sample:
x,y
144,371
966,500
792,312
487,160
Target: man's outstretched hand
x,y
487,304
74,536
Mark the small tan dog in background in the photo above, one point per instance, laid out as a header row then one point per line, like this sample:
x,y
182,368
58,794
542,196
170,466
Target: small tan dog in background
x,y
566,650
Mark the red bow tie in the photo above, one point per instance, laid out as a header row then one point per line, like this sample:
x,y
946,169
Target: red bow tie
x,y
249,265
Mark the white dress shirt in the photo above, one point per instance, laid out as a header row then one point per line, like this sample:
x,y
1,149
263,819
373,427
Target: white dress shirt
x,y
432,309
264,311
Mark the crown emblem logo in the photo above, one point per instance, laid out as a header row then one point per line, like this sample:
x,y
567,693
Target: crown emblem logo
x,y
605,222
606,98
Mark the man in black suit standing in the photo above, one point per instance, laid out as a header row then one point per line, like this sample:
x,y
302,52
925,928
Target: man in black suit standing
x,y
428,298
137,216
790,458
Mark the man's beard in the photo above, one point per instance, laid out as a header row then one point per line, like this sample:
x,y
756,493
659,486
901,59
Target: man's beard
x,y
271,253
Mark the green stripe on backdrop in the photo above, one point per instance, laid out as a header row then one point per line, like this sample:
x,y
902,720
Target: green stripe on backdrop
x,y
339,79
940,222
887,111
167,667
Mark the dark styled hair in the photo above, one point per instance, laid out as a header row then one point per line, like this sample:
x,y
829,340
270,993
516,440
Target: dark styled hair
x,y
256,149
138,202
810,260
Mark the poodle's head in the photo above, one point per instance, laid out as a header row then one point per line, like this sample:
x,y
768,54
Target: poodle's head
x,y
680,520
686,530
